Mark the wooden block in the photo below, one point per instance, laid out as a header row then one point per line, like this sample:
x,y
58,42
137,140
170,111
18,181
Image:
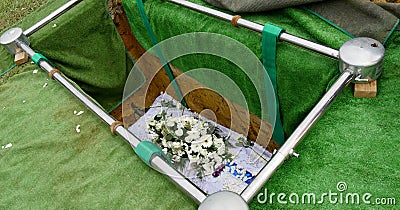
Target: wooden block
x,y
21,58
366,90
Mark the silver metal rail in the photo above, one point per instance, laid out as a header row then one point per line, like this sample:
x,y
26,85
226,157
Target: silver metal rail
x,y
156,162
55,14
15,38
356,49
288,147
286,37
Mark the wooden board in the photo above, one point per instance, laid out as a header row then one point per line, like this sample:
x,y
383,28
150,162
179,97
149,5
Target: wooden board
x,y
366,90
21,57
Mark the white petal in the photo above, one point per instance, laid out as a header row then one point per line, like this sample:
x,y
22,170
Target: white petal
x,y
179,132
78,128
7,146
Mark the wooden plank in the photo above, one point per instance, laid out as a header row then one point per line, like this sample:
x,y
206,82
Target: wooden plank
x,y
366,90
21,57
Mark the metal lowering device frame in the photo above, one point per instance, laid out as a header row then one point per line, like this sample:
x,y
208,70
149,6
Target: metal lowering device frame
x,y
360,60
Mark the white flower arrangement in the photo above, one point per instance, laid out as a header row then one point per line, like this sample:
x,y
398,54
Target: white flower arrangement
x,y
189,138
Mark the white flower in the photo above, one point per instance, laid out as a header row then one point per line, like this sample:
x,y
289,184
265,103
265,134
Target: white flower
x,y
180,153
170,122
164,143
195,147
197,139
208,168
216,158
192,135
158,126
150,123
179,132
188,139
193,159
221,150
218,142
206,141
176,158
203,152
176,145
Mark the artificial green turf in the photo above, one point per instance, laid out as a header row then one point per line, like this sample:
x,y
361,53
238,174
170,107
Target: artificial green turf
x,y
355,142
291,63
85,45
52,166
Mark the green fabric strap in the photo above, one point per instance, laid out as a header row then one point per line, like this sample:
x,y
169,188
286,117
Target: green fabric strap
x,y
146,150
153,38
37,57
2,73
270,35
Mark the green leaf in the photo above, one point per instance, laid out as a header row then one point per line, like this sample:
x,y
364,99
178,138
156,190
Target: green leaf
x,y
169,137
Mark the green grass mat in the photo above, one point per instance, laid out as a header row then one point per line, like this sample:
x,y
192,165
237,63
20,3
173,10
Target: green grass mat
x,y
355,141
85,45
51,166
293,64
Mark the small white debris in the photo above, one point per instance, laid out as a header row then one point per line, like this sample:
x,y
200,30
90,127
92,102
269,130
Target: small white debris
x,y
7,146
35,71
75,112
23,101
4,107
78,128
79,113
45,85
23,8
32,62
54,25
